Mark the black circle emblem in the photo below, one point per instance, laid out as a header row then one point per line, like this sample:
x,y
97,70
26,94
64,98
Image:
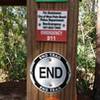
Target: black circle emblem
x,y
50,72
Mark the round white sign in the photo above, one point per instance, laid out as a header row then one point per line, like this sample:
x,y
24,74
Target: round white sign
x,y
50,72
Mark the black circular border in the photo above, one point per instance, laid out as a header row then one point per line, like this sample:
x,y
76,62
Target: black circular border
x,y
37,59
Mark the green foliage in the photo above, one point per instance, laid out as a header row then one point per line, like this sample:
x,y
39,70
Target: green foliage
x,y
86,46
12,41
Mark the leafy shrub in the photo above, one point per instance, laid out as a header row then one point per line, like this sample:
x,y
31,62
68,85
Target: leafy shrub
x,y
13,42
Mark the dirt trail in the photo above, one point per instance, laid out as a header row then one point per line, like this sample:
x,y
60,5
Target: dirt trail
x,y
13,90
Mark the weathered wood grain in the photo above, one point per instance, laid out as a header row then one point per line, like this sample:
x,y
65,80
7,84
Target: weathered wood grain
x,y
68,49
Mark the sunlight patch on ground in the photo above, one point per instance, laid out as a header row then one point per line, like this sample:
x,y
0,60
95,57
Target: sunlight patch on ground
x,y
3,76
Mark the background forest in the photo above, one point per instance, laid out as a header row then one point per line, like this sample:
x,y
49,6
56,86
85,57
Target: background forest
x,y
12,42
13,53
86,45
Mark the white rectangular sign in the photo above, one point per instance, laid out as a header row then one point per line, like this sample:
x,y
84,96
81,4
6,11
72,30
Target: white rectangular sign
x,y
51,23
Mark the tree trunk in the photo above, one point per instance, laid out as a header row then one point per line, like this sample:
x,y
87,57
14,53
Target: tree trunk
x,y
5,29
97,73
93,5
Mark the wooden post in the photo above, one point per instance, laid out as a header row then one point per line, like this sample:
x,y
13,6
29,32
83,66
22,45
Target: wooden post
x,y
97,68
67,49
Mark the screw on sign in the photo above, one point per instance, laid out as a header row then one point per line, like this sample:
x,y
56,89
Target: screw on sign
x,y
50,72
